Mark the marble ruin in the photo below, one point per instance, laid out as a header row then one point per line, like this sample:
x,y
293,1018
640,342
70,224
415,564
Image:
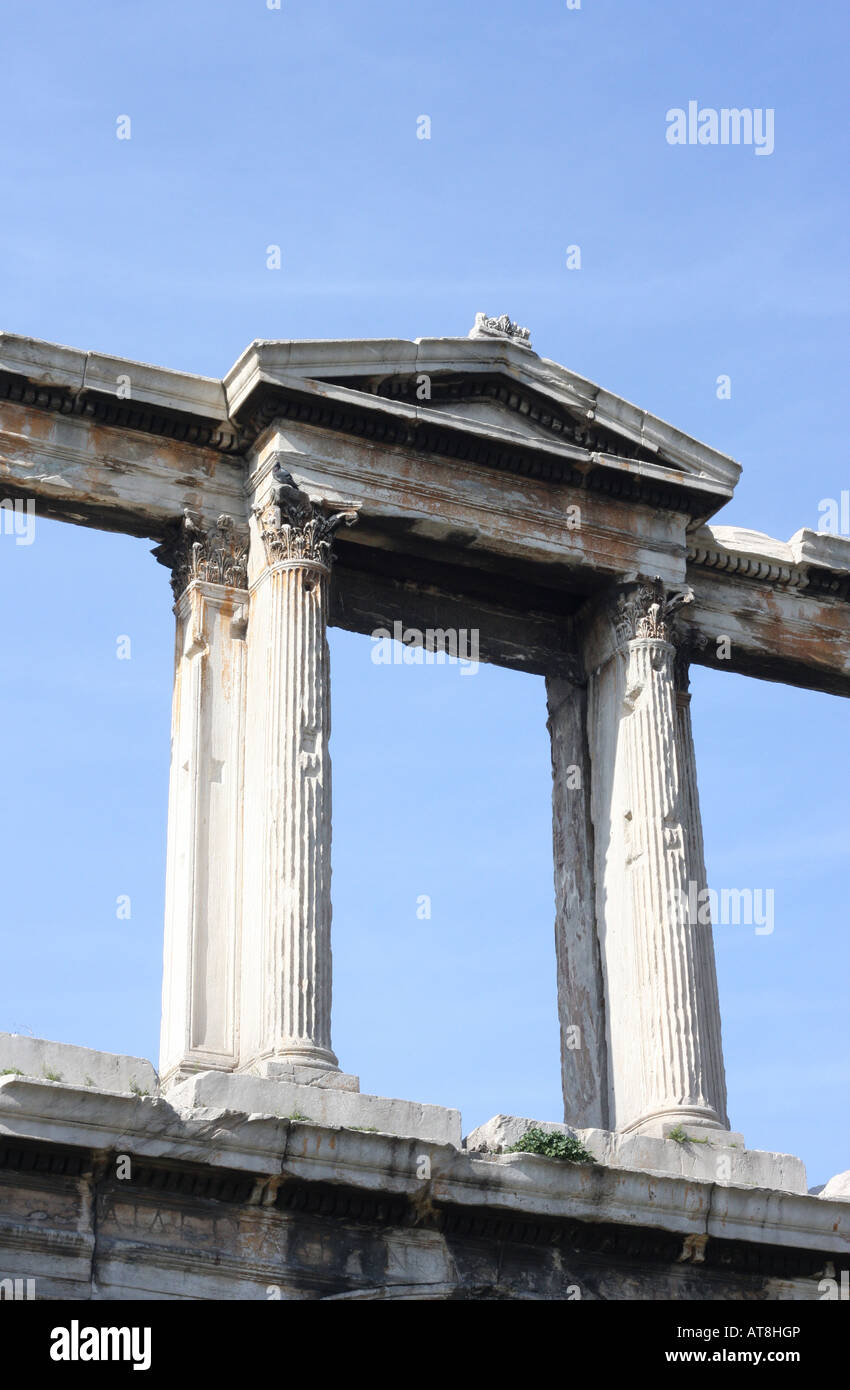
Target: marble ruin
x,y
446,483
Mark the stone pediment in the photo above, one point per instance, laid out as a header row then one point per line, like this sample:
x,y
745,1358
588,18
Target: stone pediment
x,y
487,400
487,386
488,397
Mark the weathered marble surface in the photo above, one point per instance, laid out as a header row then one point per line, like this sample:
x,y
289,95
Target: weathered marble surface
x,y
221,1204
837,1189
485,469
464,460
39,1059
710,1155
322,1104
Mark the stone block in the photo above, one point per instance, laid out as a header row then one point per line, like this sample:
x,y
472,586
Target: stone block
x,y
258,1095
75,1066
837,1189
503,1131
305,1076
709,1155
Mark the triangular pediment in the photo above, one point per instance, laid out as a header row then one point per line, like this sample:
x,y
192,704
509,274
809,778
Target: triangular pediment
x,y
488,386
495,413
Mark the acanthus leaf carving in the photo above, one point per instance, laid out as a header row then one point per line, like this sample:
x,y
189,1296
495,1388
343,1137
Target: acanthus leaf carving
x,y
294,530
645,611
218,555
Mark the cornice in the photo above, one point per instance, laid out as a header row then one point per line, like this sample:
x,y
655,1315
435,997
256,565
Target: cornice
x,y
395,423
428,433
107,409
505,1200
807,562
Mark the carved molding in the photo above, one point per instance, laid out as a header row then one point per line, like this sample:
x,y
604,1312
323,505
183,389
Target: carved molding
x,y
578,427
501,327
202,433
808,577
215,556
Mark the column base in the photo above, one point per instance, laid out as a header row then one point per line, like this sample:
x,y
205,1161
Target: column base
x,y
661,1122
701,1129
304,1074
304,1064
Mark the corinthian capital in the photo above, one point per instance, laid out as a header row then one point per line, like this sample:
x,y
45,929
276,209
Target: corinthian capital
x,y
218,555
645,611
294,530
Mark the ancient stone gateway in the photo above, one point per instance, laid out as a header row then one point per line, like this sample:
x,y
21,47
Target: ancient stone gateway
x,y
443,483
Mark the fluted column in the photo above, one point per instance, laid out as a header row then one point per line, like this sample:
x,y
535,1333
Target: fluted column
x,y
202,902
661,994
581,994
695,856
286,1013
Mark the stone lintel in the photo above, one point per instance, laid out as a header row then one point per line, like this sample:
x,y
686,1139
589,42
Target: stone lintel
x,y
412,499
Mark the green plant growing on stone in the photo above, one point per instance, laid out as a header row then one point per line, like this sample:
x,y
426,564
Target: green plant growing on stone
x,y
52,1075
679,1136
137,1090
564,1146
11,1071
296,1115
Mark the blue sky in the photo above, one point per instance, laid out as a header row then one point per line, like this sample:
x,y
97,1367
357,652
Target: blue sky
x,y
297,127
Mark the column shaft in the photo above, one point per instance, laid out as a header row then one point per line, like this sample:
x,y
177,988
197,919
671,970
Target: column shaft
x,y
660,985
290,710
709,1000
581,998
286,1005
203,875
